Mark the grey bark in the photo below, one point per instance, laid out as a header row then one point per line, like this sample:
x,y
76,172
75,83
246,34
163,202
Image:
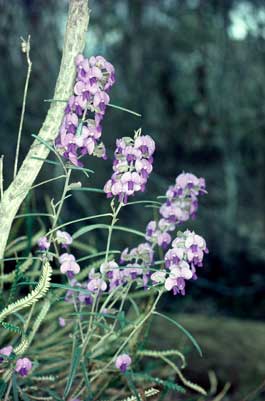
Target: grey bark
x,y
74,42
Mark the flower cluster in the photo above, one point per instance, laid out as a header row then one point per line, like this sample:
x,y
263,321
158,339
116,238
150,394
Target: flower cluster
x,y
180,205
181,261
23,365
132,166
81,128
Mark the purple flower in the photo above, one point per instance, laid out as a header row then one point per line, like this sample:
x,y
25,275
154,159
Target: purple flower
x,y
62,322
23,366
81,126
123,362
43,244
181,260
68,265
132,166
180,205
96,285
85,299
63,238
5,351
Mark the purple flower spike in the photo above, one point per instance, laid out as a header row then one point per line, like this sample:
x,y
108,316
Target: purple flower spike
x,y
131,166
182,259
123,362
180,205
23,366
94,78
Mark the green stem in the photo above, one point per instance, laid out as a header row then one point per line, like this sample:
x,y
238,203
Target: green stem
x,y
27,51
137,327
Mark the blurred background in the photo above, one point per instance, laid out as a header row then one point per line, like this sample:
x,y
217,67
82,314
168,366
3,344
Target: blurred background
x,y
195,70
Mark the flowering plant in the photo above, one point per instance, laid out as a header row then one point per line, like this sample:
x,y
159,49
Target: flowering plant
x,y
75,330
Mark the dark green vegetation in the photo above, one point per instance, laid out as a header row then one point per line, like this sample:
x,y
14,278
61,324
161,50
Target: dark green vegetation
x,y
196,72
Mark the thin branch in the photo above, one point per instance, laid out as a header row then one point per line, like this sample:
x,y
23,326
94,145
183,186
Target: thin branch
x,y
1,177
25,47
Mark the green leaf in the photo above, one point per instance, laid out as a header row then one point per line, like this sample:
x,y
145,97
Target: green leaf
x,y
169,384
46,160
33,215
95,255
11,327
92,227
71,167
24,396
77,352
14,387
142,202
88,189
186,332
87,382
3,386
128,375
54,395
45,143
123,109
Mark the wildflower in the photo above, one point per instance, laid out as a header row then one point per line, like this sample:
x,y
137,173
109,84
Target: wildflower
x,y
96,285
122,362
133,271
64,238
62,322
6,351
43,244
85,299
23,366
181,204
158,277
132,166
187,252
143,253
96,282
80,130
70,294
68,265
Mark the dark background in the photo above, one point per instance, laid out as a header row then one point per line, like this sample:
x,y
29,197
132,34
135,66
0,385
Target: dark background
x,y
195,70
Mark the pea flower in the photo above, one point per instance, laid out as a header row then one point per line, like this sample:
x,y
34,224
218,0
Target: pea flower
x,y
63,238
96,283
143,252
6,351
132,165
122,362
69,265
23,366
43,244
81,129
181,260
62,322
181,204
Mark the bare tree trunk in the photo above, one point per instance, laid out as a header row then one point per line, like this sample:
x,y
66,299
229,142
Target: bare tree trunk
x,y
74,42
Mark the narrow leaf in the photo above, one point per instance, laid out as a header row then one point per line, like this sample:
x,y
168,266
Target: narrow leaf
x,y
74,365
186,332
